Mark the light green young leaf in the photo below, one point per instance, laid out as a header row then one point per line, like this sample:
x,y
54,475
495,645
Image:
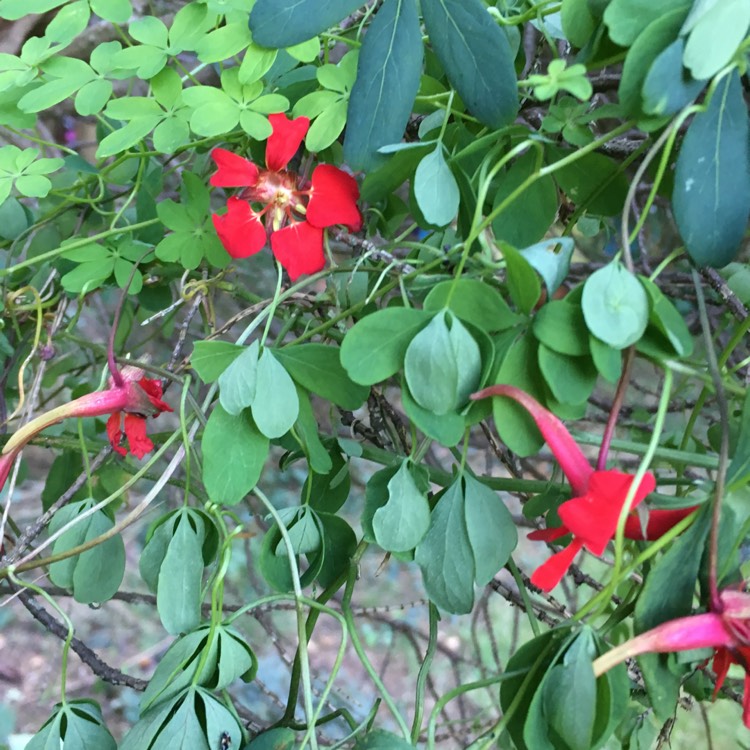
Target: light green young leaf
x,y
238,381
275,404
436,189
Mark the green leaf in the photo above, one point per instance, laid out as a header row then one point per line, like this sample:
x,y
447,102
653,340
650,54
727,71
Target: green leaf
x,y
275,404
340,544
256,63
615,306
513,423
211,358
560,325
656,37
523,283
577,21
374,347
283,23
402,522
445,555
569,695
668,87
178,593
280,738
234,452
115,11
317,368
738,472
607,359
442,364
594,182
447,429
327,126
529,216
128,135
668,594
626,19
474,301
15,9
92,97
436,189
308,437
305,531
570,379
476,56
665,318
379,739
223,43
711,196
237,382
715,37
94,575
388,72
492,532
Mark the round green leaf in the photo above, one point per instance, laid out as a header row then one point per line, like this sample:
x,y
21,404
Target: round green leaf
x,y
615,306
436,189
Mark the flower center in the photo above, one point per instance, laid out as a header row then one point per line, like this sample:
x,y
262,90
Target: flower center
x,y
280,196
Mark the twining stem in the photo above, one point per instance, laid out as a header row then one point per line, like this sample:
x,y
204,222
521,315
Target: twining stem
x,y
713,366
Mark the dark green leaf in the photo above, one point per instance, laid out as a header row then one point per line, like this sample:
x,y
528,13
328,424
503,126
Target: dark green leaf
x,y
657,36
317,368
280,738
523,283
668,87
390,64
445,555
234,452
474,301
513,423
531,213
374,348
665,317
739,470
178,595
283,23
491,530
476,56
211,358
560,326
711,197
447,429
382,740
626,19
571,379
340,543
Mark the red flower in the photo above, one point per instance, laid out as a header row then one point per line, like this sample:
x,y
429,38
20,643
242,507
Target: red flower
x,y
134,396
132,418
591,515
726,630
297,243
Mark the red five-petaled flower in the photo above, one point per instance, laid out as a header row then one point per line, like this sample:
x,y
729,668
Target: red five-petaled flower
x,y
128,403
726,630
591,515
295,214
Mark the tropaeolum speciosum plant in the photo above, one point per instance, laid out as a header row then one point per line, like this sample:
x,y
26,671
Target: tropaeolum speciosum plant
x,y
347,526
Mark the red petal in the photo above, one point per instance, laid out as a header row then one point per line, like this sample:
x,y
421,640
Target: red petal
x,y
234,171
333,199
659,523
574,464
154,391
286,138
239,229
135,431
547,535
550,573
593,517
299,249
114,433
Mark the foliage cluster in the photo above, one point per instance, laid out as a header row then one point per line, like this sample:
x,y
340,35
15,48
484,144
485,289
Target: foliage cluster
x,y
547,189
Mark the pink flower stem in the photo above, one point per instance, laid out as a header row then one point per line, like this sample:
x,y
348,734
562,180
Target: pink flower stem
x,y
609,430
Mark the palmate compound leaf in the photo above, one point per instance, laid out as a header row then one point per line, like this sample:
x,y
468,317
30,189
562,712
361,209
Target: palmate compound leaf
x,y
476,56
471,536
75,724
711,196
388,73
